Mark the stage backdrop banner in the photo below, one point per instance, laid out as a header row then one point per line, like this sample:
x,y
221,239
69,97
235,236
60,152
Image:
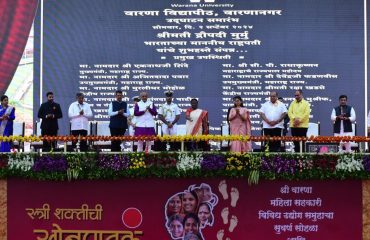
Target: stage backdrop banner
x,y
207,49
184,209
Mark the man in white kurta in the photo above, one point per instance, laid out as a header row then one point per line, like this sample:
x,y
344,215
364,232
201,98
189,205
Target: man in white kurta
x,y
273,113
79,113
145,111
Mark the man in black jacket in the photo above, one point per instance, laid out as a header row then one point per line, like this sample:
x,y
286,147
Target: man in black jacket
x,y
118,112
49,112
343,116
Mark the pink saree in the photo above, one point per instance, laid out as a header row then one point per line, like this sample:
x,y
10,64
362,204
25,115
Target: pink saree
x,y
240,127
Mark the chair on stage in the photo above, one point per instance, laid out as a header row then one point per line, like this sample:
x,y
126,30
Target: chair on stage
x,y
354,129
102,129
90,131
36,132
18,130
313,129
181,131
225,131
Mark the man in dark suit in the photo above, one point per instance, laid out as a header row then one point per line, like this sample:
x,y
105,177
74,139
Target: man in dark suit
x,y
118,112
49,112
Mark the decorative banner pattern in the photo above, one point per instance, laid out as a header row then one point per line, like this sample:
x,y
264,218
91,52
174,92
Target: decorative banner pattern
x,y
222,209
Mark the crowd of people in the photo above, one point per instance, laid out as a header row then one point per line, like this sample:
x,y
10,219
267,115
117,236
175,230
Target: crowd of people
x,y
140,120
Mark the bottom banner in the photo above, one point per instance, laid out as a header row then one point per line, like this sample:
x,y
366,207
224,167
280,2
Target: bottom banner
x,y
184,209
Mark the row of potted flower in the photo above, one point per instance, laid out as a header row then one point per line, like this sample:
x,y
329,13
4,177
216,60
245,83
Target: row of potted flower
x,y
175,165
186,138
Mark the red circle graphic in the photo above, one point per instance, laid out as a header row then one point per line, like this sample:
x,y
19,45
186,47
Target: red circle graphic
x,y
132,217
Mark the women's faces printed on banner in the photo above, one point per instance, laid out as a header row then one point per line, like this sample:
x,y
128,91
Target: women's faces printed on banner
x,y
205,214
189,211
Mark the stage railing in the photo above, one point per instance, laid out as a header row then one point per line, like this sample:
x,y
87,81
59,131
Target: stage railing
x,y
188,138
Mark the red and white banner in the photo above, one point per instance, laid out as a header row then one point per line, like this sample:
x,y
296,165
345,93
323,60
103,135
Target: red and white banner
x,y
152,209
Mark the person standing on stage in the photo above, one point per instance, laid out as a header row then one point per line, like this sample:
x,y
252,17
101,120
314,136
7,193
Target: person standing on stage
x,y
240,124
197,119
273,113
118,112
7,116
145,111
169,114
343,116
49,113
299,115
79,113
196,124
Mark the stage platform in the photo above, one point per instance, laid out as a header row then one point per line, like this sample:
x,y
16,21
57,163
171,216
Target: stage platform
x,y
134,196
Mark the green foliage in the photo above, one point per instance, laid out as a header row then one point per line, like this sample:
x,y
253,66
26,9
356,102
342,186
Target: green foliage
x,y
251,166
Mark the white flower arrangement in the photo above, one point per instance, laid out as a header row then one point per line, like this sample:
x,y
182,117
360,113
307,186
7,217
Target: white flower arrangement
x,y
349,163
22,162
189,161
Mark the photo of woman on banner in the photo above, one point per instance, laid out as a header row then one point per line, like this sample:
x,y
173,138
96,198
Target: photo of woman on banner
x,y
197,124
175,226
195,206
205,193
205,214
191,236
191,225
7,116
174,205
190,202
